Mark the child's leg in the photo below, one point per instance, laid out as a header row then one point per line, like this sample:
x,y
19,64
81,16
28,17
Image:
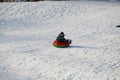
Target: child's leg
x,y
68,41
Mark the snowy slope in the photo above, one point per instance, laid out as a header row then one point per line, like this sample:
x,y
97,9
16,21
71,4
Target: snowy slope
x,y
27,31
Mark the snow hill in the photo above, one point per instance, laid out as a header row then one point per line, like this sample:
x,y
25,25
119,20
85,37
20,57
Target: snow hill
x,y
27,31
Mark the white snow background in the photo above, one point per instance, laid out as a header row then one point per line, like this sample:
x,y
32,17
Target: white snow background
x,y
27,31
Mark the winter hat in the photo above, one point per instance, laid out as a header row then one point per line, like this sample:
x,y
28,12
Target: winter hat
x,y
62,33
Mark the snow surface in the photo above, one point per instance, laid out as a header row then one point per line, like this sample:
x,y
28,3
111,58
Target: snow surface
x,y
27,31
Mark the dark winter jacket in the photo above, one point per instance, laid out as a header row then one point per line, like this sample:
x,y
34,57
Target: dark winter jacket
x,y
61,39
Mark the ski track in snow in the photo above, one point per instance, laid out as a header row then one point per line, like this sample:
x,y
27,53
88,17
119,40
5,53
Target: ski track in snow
x,y
27,31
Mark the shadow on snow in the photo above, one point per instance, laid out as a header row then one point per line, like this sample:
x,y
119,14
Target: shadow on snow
x,y
84,47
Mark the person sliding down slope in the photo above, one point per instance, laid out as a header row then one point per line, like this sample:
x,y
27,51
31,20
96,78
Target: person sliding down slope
x,y
61,41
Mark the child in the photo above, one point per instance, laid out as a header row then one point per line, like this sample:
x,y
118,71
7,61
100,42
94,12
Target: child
x,y
61,38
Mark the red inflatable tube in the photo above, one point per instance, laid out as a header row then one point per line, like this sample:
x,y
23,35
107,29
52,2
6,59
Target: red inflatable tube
x,y
60,44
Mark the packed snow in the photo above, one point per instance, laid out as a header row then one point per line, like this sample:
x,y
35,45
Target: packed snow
x,y
27,31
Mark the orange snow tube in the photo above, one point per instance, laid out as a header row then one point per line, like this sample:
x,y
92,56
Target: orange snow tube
x,y
60,44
